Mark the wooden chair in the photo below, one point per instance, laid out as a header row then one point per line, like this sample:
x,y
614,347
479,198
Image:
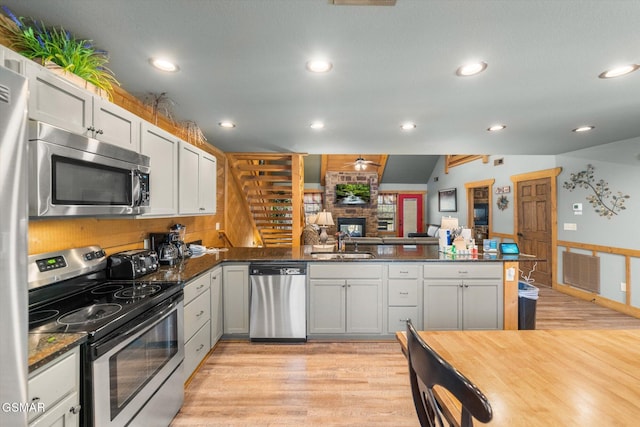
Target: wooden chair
x,y
426,370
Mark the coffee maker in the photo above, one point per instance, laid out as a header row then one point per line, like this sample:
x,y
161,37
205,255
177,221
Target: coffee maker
x,y
163,244
179,232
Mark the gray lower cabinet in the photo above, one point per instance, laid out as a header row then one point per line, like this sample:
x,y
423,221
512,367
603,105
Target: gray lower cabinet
x,y
403,296
345,299
54,390
463,296
197,323
235,295
216,306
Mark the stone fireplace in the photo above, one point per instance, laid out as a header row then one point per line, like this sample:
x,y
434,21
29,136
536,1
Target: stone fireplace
x,y
368,212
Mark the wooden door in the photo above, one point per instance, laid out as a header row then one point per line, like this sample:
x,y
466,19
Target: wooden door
x,y
535,226
409,214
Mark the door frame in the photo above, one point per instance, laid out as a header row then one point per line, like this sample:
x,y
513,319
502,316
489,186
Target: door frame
x,y
552,175
419,196
469,188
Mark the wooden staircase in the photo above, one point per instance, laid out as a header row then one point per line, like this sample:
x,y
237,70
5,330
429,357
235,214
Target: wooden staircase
x,y
273,184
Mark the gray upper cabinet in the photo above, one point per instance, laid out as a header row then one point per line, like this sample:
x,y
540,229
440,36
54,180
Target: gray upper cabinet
x,y
197,181
56,101
162,148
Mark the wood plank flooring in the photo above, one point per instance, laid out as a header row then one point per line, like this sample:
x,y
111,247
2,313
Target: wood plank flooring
x,y
336,384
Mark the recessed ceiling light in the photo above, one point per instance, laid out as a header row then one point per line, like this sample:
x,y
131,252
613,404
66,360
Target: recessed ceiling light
x,y
227,124
317,125
164,65
319,66
408,126
583,129
495,128
471,69
619,71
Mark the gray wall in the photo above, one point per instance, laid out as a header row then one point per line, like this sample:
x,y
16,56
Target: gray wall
x,y
621,231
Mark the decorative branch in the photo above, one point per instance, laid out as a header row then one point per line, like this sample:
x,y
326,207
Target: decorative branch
x,y
601,193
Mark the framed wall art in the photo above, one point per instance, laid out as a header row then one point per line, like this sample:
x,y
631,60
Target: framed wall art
x,y
447,200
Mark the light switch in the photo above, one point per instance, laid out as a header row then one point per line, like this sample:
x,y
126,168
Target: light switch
x,y
570,226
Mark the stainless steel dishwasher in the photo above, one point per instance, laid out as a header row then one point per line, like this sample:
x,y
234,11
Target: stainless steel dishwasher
x,y
278,302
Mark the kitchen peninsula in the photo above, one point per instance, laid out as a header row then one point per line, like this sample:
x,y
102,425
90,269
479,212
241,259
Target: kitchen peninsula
x,y
424,262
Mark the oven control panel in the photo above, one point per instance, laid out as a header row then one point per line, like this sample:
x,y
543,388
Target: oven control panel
x,y
52,267
52,263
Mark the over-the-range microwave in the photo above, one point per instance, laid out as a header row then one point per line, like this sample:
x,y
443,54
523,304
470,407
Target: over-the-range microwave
x,y
72,175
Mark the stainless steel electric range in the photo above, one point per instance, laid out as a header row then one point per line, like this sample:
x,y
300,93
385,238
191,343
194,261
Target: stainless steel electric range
x,y
132,363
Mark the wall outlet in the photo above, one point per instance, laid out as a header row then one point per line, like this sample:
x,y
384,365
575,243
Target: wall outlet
x,y
623,286
217,226
570,226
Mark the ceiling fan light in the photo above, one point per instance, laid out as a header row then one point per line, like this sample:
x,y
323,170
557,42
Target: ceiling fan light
x,y
359,166
619,71
471,69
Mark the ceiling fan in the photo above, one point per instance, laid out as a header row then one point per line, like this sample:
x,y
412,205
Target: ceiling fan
x,y
361,164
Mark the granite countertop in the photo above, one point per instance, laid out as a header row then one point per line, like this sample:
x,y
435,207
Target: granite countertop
x,y
45,347
192,267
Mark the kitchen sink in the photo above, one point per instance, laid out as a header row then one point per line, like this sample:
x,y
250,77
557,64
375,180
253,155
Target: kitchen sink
x,y
342,255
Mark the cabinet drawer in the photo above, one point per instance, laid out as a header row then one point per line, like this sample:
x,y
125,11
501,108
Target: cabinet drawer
x,y
463,270
54,382
196,287
403,292
351,270
196,314
195,349
398,316
403,271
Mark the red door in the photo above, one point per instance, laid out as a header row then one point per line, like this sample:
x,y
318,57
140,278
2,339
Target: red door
x,y
410,208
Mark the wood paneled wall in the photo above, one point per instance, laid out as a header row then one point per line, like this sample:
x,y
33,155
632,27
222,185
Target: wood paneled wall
x,y
115,235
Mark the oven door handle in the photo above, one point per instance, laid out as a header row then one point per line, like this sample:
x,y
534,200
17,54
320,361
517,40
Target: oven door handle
x,y
146,320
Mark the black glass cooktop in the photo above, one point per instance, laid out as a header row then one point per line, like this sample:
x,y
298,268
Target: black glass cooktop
x,y
100,308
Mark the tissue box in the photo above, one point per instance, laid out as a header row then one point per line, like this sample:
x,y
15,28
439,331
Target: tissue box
x,y
490,245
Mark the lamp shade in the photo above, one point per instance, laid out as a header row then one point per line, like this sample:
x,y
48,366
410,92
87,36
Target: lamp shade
x,y
324,218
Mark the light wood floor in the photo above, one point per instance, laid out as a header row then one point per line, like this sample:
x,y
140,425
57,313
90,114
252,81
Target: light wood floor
x,y
336,384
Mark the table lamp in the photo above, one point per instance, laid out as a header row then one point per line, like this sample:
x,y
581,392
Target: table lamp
x,y
323,220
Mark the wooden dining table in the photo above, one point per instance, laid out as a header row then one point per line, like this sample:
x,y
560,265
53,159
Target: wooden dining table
x,y
546,377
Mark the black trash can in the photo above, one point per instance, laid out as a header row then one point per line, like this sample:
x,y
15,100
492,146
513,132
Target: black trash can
x,y
527,300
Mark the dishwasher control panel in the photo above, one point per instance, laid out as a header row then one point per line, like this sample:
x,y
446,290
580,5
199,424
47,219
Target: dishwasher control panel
x,y
278,269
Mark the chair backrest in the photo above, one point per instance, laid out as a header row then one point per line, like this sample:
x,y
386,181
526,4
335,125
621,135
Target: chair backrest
x,y
426,370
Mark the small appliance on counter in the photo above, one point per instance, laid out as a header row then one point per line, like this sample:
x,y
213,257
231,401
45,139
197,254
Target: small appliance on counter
x,y
132,264
180,232
170,246
163,245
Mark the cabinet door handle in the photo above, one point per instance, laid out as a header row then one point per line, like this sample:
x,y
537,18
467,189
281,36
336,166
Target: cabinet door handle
x,y
403,272
200,287
463,272
404,320
200,314
35,399
404,293
201,209
75,410
466,286
200,348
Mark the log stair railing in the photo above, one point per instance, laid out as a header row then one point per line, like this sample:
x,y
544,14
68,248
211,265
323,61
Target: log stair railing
x,y
273,185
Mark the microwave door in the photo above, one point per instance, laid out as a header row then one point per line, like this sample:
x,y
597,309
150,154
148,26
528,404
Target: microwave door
x,y
79,183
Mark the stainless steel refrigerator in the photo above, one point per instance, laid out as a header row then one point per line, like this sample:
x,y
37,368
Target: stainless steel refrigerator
x,y
13,249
